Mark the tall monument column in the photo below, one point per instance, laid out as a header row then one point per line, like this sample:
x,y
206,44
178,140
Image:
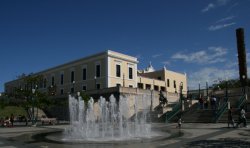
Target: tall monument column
x,y
241,56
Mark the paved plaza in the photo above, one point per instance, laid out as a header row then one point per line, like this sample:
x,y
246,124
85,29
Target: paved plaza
x,y
191,135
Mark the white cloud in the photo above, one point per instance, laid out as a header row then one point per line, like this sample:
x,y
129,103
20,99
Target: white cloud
x,y
220,26
210,56
208,7
222,2
214,5
225,19
210,74
156,55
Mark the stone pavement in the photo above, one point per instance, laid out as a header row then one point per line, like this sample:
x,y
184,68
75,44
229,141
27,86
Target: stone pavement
x,y
191,135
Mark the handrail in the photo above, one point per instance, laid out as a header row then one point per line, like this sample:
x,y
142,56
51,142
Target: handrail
x,y
241,101
221,111
175,110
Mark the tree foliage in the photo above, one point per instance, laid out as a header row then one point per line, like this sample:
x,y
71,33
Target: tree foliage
x,y
233,83
85,97
26,98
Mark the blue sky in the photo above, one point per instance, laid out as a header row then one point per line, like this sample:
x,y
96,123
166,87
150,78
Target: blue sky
x,y
196,37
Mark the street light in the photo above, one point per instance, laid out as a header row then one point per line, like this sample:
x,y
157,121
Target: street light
x,y
95,82
226,89
199,90
243,84
181,87
73,90
33,111
78,95
207,89
181,101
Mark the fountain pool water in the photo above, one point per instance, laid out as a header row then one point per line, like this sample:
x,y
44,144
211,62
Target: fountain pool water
x,y
109,120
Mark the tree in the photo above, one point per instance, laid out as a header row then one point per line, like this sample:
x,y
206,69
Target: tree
x,y
85,97
25,97
233,83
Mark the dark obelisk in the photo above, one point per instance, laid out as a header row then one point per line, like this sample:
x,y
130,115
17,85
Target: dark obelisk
x,y
241,56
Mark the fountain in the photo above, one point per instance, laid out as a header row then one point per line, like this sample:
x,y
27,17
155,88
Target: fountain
x,y
108,120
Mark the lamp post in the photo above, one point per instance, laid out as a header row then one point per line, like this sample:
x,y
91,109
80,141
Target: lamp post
x,y
199,89
243,84
181,98
33,111
95,82
78,95
73,90
226,89
207,89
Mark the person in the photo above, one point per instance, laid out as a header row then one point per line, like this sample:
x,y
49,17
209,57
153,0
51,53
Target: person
x,y
179,122
162,99
12,120
230,118
213,102
7,121
201,102
242,117
206,104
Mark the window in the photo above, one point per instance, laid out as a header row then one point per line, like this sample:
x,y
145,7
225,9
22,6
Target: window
x,y
52,80
163,88
98,86
84,74
84,87
131,86
72,76
62,79
148,86
168,83
140,85
98,70
174,84
159,78
61,91
118,85
156,87
118,70
130,73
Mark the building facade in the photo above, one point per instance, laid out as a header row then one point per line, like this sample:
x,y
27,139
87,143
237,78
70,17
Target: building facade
x,y
103,70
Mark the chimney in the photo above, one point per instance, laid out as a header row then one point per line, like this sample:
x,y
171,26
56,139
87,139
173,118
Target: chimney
x,y
241,56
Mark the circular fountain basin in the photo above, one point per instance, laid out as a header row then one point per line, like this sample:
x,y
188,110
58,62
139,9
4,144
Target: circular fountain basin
x,y
58,137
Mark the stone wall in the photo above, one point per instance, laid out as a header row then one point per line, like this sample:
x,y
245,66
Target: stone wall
x,y
145,99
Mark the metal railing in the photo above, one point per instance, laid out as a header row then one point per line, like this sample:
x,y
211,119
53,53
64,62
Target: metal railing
x,y
175,110
221,111
241,101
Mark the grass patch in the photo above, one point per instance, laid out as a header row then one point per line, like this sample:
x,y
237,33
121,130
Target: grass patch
x,y
8,110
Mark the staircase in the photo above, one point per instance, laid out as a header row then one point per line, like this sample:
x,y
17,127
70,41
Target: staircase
x,y
198,116
236,104
171,116
159,113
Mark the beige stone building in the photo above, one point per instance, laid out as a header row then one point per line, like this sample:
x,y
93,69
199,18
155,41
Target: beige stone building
x,y
104,70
